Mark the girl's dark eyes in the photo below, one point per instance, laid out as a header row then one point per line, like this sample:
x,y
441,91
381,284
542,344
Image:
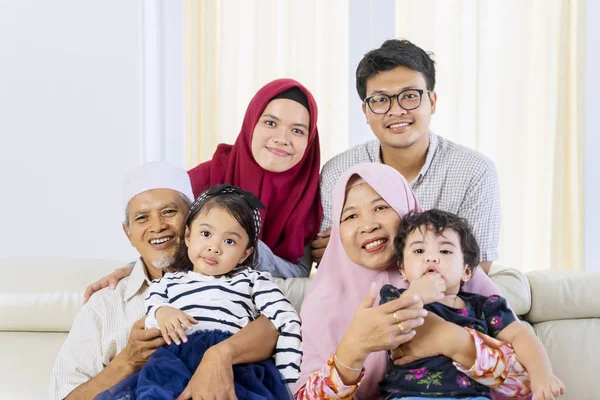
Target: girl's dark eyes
x,y
419,251
270,123
229,241
445,252
205,233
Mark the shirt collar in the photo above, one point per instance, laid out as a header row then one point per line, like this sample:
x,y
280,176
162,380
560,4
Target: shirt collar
x,y
374,151
433,145
136,280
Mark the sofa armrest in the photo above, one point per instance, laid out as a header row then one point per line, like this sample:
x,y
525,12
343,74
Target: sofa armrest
x,y
45,294
557,295
514,287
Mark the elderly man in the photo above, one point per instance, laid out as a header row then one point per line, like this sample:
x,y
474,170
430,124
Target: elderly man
x,y
108,342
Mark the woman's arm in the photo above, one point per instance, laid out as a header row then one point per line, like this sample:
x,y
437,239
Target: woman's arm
x,y
110,280
533,356
372,329
482,358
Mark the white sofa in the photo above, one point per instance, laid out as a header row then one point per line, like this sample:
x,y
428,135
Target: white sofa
x,y
40,297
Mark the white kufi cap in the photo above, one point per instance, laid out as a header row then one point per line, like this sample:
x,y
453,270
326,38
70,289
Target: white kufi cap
x,y
156,175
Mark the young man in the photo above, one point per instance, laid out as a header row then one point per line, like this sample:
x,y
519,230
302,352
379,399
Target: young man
x,y
396,83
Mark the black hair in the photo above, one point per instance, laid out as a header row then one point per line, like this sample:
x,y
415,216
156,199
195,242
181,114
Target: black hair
x,y
394,53
239,209
438,221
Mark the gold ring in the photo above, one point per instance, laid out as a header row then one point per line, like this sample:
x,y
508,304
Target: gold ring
x,y
397,319
401,352
401,327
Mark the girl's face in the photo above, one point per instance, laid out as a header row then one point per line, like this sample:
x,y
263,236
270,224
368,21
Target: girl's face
x,y
281,135
427,252
216,242
368,226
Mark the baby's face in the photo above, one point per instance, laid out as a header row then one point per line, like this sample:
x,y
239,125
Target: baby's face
x,y
216,242
426,252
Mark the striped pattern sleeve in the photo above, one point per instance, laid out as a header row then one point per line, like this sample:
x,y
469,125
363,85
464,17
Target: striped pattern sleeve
x,y
271,302
157,297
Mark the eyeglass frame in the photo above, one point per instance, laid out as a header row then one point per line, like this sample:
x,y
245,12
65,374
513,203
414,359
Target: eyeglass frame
x,y
397,96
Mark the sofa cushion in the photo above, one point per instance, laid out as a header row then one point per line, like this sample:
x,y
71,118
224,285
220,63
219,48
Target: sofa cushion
x,y
28,358
572,346
564,294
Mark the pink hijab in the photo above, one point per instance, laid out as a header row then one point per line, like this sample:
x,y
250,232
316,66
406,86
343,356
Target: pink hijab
x,y
340,285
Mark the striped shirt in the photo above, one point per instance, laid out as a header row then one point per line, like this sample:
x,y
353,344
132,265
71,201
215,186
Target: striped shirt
x,y
99,332
454,178
229,304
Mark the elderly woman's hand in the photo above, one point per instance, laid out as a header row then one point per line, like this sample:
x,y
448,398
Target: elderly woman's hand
x,y
383,327
437,337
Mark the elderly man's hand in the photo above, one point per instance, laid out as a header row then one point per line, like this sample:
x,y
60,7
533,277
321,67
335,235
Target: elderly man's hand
x,y
213,378
319,244
141,344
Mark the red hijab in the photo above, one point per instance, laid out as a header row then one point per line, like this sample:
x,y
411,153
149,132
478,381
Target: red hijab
x,y
293,206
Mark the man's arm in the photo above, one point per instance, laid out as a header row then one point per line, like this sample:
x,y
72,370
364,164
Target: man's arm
x,y
115,372
214,376
481,208
326,184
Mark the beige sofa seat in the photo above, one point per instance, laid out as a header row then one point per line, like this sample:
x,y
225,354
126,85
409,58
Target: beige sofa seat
x,y
36,314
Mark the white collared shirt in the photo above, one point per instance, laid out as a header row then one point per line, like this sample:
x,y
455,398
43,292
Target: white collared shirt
x,y
99,332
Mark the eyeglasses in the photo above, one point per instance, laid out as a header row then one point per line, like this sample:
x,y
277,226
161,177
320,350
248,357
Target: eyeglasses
x,y
408,99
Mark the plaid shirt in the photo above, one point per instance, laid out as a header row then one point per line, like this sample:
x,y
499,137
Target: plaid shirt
x,y
454,179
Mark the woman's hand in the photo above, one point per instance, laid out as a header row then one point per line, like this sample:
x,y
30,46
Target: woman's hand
x,y
432,339
108,281
383,327
170,320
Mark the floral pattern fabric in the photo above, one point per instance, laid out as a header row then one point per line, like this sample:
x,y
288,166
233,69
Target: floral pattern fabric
x,y
436,376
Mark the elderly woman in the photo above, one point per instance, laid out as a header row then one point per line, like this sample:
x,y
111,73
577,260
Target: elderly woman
x,y
345,335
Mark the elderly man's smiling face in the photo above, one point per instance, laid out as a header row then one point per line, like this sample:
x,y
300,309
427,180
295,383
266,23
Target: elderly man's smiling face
x,y
155,225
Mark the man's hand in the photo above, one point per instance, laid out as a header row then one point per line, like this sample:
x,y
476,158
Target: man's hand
x,y
430,288
141,344
319,244
171,321
213,378
108,281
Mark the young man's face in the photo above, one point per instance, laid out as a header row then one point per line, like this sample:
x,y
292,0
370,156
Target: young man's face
x,y
398,128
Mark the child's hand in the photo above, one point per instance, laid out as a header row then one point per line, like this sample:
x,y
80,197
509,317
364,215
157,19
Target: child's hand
x,y
430,288
548,388
170,321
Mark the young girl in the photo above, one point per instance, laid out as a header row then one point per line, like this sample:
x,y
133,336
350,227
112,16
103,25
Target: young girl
x,y
437,254
213,295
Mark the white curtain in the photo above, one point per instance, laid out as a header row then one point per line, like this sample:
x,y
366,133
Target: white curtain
x,y
509,83
237,46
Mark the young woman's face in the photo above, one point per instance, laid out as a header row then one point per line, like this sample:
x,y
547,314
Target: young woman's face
x,y
216,242
368,226
281,135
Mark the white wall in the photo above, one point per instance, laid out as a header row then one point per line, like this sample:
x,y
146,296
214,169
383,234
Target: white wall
x,y
70,125
592,138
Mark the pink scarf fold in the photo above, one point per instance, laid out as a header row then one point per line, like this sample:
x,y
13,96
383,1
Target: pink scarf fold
x,y
340,285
